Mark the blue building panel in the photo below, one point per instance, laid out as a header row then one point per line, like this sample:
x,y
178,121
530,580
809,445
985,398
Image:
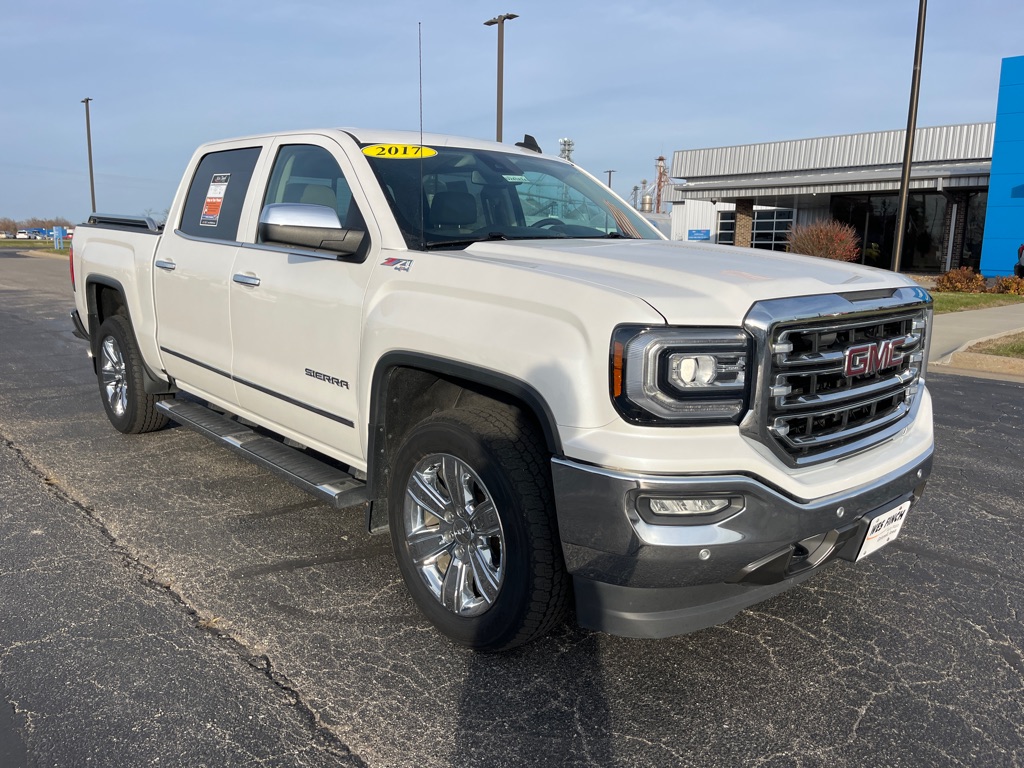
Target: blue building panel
x,y
1012,123
1012,72
1004,217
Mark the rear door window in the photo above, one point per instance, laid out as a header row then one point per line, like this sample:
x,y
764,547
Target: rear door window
x,y
213,207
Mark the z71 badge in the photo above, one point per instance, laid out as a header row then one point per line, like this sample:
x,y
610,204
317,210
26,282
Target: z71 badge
x,y
400,265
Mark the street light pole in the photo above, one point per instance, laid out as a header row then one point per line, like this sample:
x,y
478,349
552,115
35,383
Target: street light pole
x,y
609,178
908,147
500,21
88,139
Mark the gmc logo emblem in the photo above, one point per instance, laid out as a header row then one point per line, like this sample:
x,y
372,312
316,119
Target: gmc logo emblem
x,y
869,358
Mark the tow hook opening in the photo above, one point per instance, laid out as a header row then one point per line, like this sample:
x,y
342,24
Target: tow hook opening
x,y
812,552
795,559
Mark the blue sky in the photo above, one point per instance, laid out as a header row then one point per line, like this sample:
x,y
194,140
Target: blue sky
x,y
627,81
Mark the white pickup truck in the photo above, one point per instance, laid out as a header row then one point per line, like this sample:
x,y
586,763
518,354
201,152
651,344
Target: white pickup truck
x,y
517,375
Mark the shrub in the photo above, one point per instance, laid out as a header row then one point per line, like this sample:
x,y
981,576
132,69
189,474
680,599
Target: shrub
x,y
827,239
1011,285
962,280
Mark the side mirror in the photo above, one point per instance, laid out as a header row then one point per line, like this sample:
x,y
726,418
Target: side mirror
x,y
308,226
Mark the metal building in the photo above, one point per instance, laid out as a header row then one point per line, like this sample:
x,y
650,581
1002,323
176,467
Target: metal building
x,y
750,195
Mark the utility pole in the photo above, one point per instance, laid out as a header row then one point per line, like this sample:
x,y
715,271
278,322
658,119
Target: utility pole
x,y
88,140
500,21
908,147
609,178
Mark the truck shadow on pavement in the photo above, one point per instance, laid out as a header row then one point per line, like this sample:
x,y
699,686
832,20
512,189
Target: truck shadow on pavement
x,y
513,707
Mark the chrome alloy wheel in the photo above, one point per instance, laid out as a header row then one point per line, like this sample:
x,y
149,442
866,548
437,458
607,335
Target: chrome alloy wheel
x,y
114,376
454,535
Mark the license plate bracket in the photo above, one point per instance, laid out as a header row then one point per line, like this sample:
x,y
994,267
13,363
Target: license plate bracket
x,y
882,528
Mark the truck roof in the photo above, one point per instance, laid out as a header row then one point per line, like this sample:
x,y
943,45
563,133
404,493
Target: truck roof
x,y
384,136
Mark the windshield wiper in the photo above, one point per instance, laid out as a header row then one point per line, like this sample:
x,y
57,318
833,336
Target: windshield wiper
x,y
609,236
465,241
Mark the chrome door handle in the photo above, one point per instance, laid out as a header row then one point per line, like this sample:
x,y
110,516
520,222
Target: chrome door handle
x,y
168,265
246,280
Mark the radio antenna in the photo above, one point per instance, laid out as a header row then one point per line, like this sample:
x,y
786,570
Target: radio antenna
x,y
423,225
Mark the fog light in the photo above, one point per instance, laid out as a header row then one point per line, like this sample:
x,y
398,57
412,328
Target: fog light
x,y
688,506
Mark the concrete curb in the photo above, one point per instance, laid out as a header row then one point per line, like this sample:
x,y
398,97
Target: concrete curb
x,y
1010,366
968,344
964,359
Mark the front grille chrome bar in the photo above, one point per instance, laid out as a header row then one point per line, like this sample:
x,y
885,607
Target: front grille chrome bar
x,y
845,434
887,386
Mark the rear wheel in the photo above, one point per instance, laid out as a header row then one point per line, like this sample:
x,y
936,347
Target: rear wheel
x,y
119,370
473,528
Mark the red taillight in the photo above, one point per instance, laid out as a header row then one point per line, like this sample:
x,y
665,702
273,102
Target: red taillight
x,y
71,262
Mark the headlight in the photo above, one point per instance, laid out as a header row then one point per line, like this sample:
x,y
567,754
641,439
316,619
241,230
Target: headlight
x,y
666,375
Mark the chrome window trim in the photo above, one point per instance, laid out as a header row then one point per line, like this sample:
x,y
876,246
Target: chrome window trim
x,y
259,246
296,252
213,240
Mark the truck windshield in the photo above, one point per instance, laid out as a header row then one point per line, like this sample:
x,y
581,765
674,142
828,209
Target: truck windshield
x,y
454,196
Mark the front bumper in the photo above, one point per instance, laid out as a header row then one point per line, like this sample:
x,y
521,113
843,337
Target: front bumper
x,y
639,578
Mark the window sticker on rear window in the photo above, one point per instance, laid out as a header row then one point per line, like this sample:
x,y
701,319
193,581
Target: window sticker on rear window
x,y
214,200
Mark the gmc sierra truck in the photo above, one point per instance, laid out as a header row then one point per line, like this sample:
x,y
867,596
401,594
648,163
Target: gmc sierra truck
x,y
539,396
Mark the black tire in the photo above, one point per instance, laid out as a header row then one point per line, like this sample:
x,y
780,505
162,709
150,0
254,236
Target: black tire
x,y
498,456
119,372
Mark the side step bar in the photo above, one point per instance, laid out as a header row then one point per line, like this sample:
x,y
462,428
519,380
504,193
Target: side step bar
x,y
330,484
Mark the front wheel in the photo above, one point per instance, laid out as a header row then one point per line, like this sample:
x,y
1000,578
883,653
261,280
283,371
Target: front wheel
x,y
472,524
121,379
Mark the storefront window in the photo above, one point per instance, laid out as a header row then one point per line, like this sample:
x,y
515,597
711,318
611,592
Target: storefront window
x,y
975,229
922,244
874,218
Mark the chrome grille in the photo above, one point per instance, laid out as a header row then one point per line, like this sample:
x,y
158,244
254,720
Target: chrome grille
x,y
837,384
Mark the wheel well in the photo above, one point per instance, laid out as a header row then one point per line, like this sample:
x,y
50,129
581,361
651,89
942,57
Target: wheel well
x,y
404,395
108,301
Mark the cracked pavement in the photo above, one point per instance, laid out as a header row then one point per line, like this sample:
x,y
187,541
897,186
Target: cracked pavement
x,y
165,601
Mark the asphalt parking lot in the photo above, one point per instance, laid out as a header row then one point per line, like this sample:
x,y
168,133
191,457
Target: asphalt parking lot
x,y
166,602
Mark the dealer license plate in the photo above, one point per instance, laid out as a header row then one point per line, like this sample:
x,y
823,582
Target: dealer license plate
x,y
883,529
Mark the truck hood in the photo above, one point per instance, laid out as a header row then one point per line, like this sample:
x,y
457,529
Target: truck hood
x,y
714,284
